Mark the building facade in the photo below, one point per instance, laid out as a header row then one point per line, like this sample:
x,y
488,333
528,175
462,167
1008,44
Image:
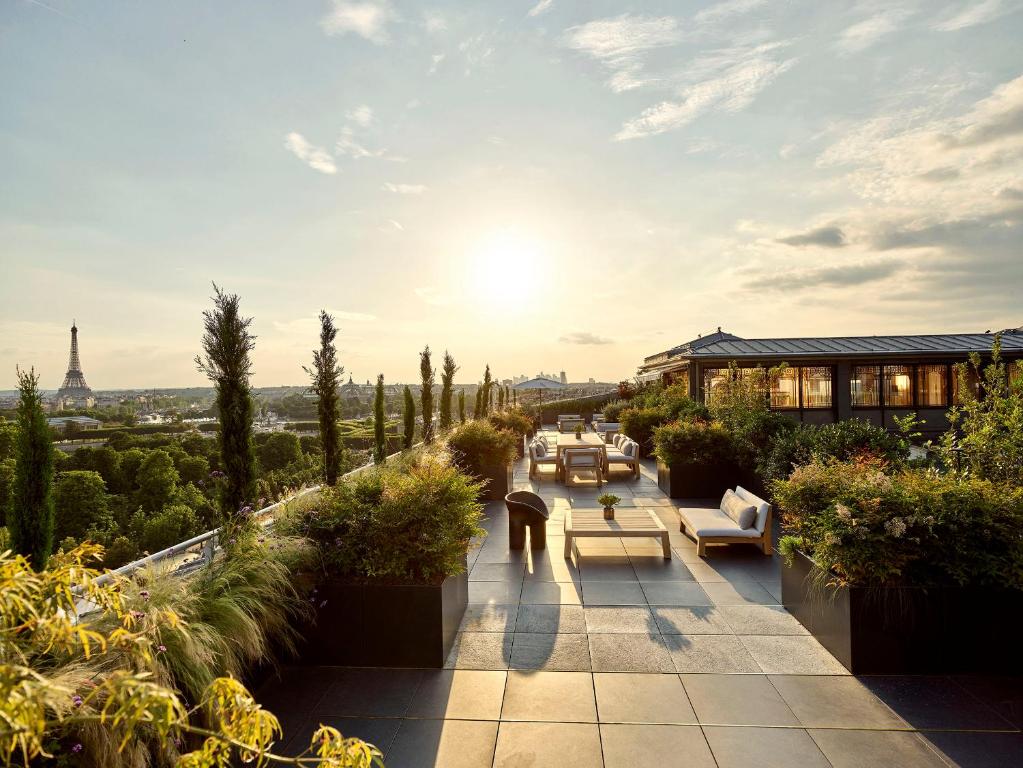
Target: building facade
x,y
828,379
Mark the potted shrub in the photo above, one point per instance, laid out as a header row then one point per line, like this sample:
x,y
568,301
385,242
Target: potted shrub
x,y
904,571
608,501
694,459
578,431
390,585
485,453
514,420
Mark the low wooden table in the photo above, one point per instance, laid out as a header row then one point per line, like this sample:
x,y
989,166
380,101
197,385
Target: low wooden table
x,y
632,522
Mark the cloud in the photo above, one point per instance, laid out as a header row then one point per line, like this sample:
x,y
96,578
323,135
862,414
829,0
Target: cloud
x,y
435,61
959,233
349,146
972,14
477,50
434,22
584,337
726,11
996,117
734,77
361,115
541,7
315,157
1009,193
842,276
367,19
827,237
405,189
938,175
866,33
619,43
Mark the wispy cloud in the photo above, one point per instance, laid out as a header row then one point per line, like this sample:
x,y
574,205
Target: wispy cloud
x,y
726,11
869,31
367,19
361,115
435,62
315,157
620,43
434,22
584,337
841,276
404,189
541,7
827,237
972,14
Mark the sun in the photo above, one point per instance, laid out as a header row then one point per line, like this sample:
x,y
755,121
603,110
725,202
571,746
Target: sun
x,y
504,268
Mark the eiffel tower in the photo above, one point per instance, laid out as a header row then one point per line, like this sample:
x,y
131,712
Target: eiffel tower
x,y
74,387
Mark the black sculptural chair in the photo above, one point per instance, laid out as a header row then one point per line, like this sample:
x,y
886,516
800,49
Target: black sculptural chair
x,y
526,509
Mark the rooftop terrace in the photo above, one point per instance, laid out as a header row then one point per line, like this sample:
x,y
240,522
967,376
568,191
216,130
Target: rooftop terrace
x,y
618,658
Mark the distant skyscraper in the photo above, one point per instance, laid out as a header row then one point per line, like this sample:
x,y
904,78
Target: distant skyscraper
x,y
564,378
74,392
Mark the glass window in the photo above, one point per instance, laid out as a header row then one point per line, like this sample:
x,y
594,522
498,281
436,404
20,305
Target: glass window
x,y
816,386
865,386
932,385
898,386
712,379
785,389
972,382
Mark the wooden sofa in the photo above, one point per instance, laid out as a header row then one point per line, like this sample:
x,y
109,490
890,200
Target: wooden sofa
x,y
712,526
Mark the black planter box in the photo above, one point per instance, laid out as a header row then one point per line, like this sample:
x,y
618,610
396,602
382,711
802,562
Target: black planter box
x,y
499,482
378,625
692,481
908,630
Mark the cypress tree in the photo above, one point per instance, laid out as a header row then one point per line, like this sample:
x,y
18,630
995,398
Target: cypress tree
x,y
461,405
447,378
380,449
326,378
500,398
426,375
477,410
515,398
31,514
409,417
227,344
488,394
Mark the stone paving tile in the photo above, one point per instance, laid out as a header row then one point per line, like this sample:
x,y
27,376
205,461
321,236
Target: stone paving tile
x,y
460,694
629,653
443,744
856,749
551,593
738,593
934,702
664,746
533,745
565,697
498,572
764,748
489,618
379,732
566,652
737,700
494,592
635,619
691,620
393,690
709,654
834,701
792,655
480,650
552,619
984,750
1003,694
613,593
626,697
761,620
678,593
656,568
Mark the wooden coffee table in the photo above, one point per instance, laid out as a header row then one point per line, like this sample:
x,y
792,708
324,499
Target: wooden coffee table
x,y
631,522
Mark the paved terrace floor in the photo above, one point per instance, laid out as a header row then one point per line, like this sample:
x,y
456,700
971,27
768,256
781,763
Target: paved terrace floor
x,y
621,659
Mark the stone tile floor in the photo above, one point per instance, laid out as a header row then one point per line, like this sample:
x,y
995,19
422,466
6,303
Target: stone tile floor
x,y
618,658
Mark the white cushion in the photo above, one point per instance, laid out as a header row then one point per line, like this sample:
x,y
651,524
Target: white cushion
x,y
539,449
740,510
630,448
581,458
762,506
618,440
617,457
713,522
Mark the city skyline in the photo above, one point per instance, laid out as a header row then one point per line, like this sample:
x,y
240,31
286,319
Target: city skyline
x,y
581,184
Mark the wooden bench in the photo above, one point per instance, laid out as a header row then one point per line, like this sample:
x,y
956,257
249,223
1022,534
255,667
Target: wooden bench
x,y
629,522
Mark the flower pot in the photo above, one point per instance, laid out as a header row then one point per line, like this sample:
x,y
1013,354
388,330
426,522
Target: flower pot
x,y
609,513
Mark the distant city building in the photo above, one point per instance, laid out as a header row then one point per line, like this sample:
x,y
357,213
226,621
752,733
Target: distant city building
x,y
63,424
74,392
563,378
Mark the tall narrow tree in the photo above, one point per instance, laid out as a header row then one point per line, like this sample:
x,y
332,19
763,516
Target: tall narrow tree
x,y
426,396
477,409
227,344
461,405
447,378
326,383
515,398
500,398
409,419
380,448
488,383
30,520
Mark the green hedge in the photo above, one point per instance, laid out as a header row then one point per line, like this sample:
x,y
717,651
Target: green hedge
x,y
141,429
584,406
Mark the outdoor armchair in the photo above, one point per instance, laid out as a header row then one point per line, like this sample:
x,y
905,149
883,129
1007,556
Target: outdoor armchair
x,y
526,510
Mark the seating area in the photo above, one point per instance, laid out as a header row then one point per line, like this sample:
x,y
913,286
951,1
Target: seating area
x,y
583,457
617,657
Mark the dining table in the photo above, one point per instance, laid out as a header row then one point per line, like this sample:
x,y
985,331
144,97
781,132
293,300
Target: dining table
x,y
585,440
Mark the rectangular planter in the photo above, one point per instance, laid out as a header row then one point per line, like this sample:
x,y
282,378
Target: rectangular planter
x,y
499,482
907,630
691,481
379,625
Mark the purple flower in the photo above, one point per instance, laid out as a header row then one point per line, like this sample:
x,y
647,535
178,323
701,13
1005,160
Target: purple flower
x,y
144,594
77,747
337,542
161,648
76,700
246,510
137,615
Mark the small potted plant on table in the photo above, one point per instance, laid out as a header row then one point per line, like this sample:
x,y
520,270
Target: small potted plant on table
x,y
608,501
579,432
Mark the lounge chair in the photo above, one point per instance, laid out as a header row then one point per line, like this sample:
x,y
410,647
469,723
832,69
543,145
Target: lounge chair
x,y
607,429
539,456
626,453
567,422
741,518
526,509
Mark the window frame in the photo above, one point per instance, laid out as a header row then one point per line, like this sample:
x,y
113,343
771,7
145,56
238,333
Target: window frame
x,y
916,404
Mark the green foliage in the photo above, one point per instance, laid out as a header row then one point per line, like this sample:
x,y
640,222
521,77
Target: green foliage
x,y
741,403
447,379
193,469
277,450
227,343
486,395
107,462
172,524
477,409
986,439
613,410
607,500
157,480
8,439
866,524
80,505
326,383
30,520
404,522
478,446
7,467
513,420
640,423
584,406
380,447
695,442
461,406
408,413
426,375
120,552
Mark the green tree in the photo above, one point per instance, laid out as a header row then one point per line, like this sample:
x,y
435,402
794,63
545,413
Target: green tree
x,y
157,480
500,398
193,469
409,418
426,396
80,504
172,524
6,489
31,519
488,382
107,462
326,378
477,409
461,405
226,346
8,439
278,450
131,461
379,438
447,378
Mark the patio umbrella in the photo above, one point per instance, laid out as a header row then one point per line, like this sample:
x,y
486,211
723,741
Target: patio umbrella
x,y
541,383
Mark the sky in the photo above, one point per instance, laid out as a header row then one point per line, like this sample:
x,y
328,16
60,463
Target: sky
x,y
538,185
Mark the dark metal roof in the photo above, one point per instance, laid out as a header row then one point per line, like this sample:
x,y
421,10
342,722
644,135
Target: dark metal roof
x,y
726,345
